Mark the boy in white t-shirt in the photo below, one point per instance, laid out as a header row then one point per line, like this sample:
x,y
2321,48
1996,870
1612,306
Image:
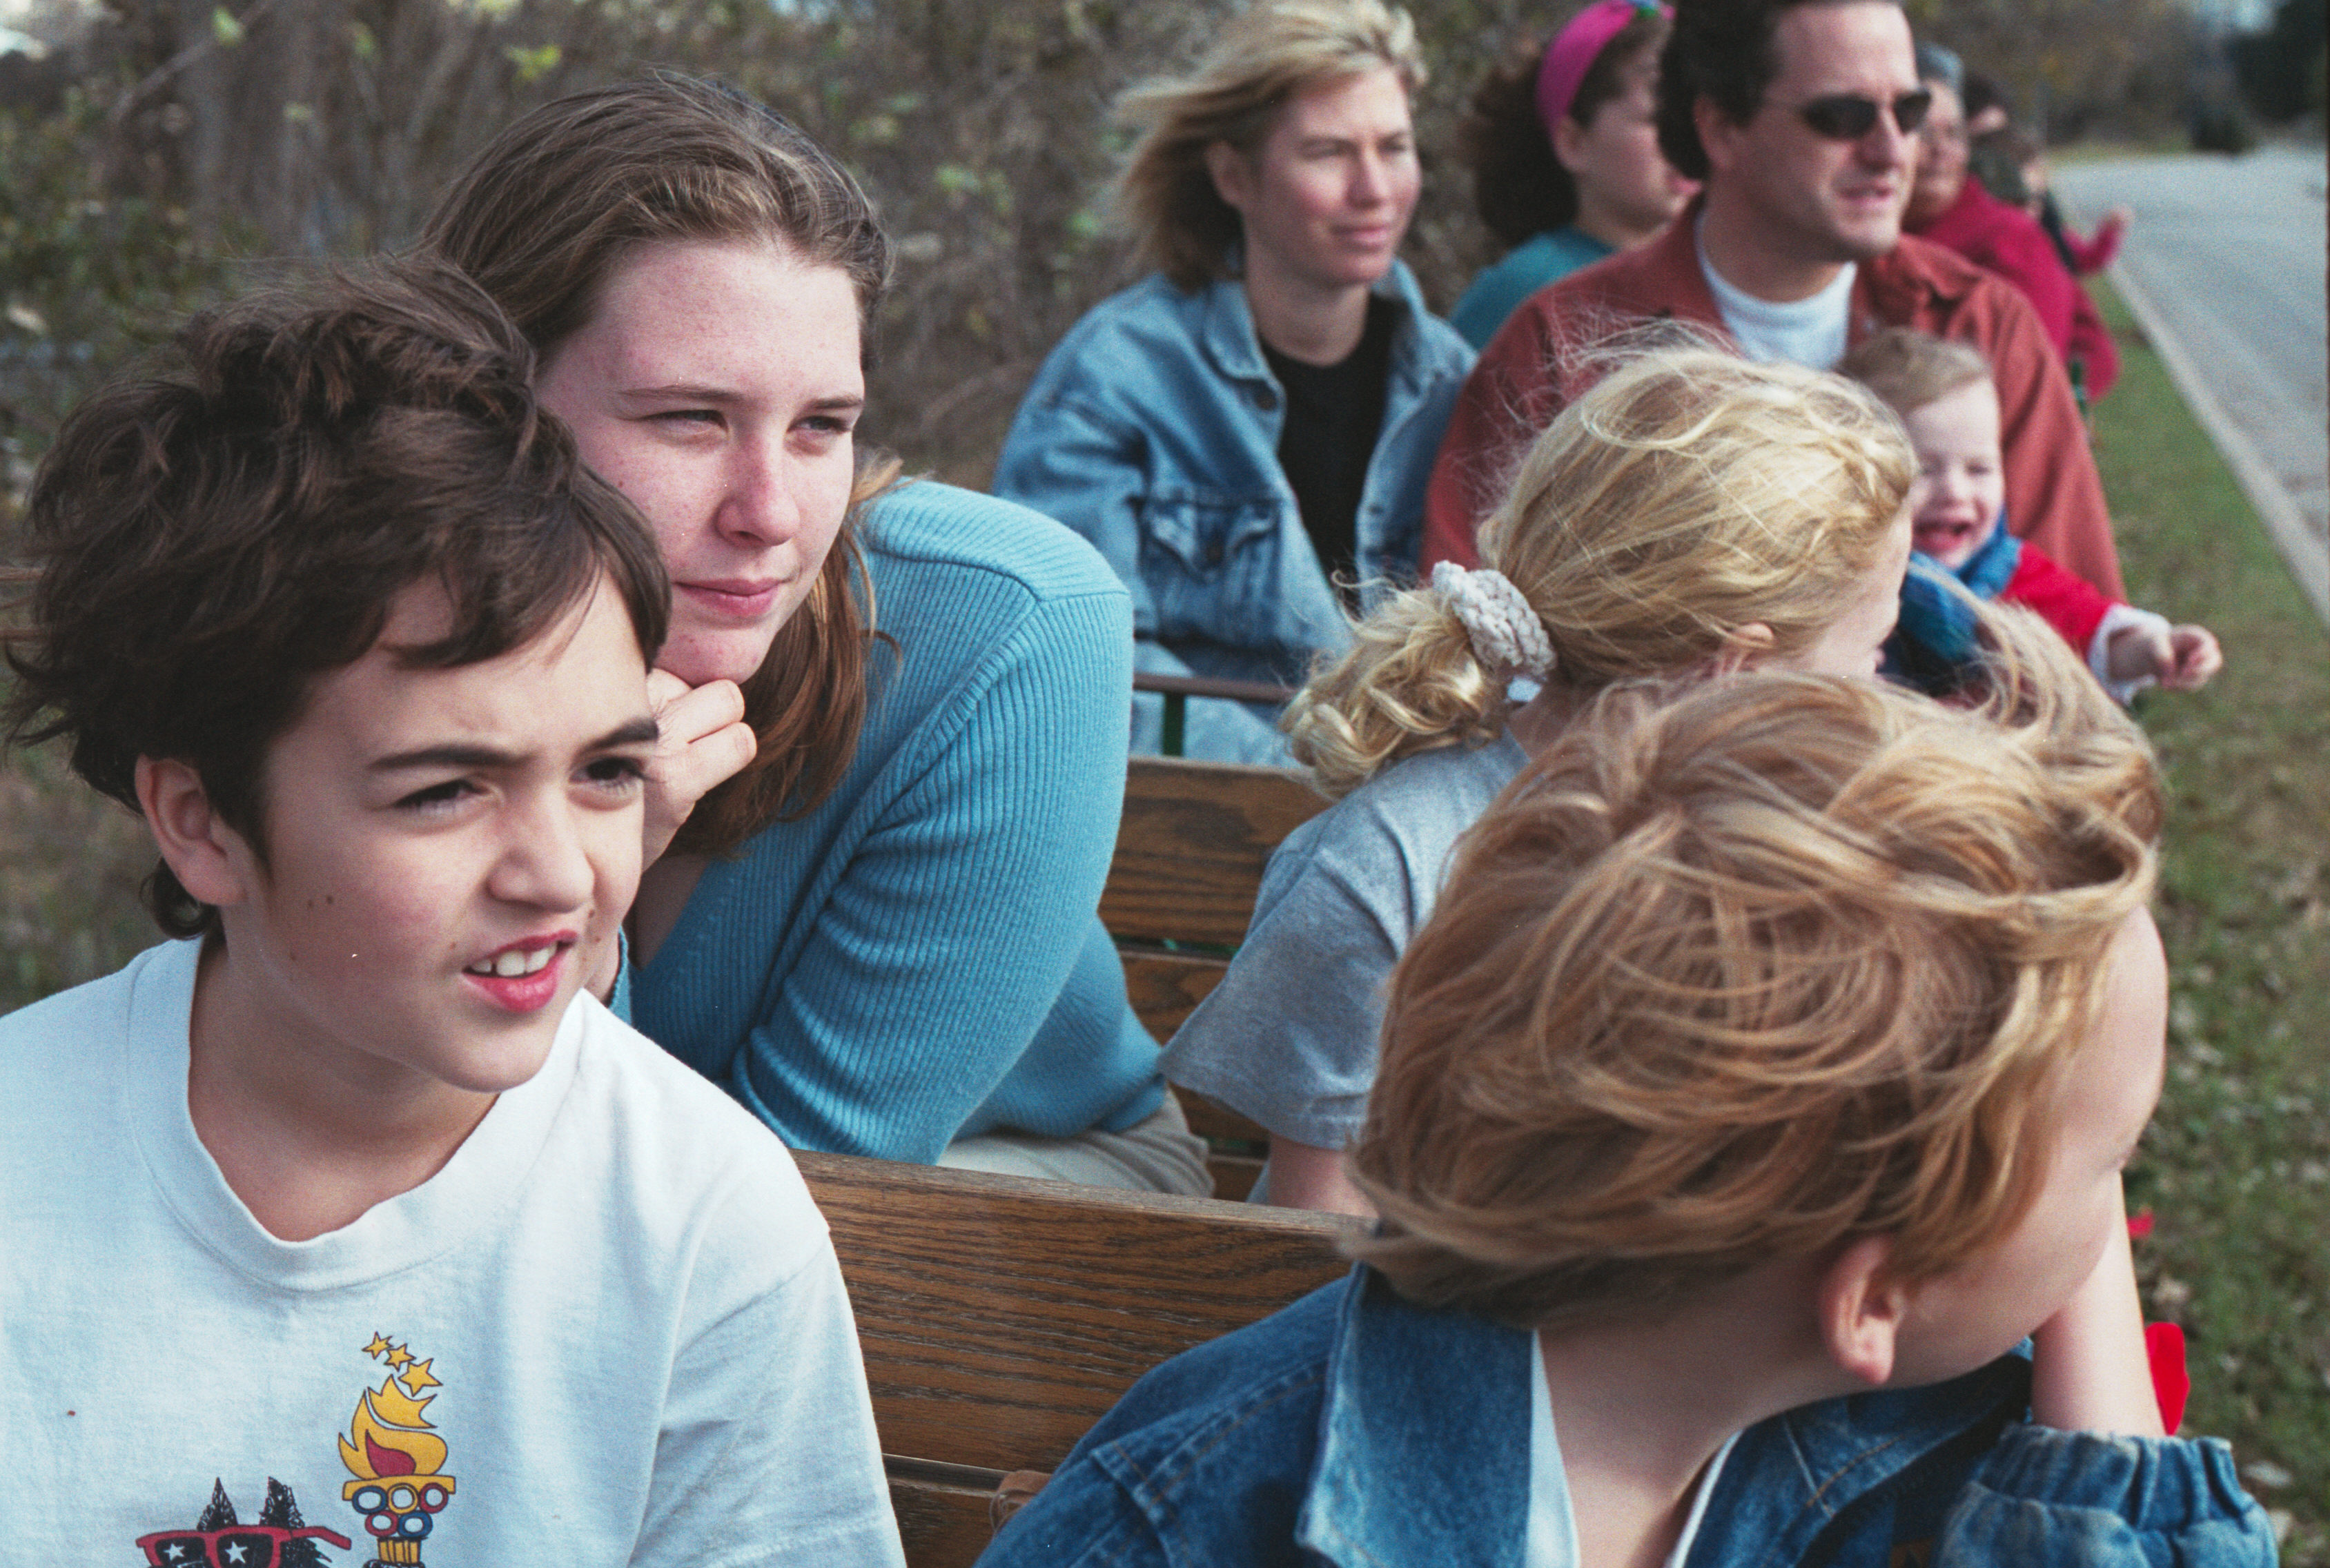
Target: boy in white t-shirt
x,y
348,1230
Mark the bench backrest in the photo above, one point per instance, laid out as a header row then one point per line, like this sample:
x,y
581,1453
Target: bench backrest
x,y
1000,1317
1189,857
1192,845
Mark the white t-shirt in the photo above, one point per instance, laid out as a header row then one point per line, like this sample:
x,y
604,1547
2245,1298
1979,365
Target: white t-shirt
x,y
1551,1541
1811,331
610,1330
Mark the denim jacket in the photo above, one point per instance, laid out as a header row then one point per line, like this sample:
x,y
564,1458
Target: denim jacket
x,y
1152,430
1356,1430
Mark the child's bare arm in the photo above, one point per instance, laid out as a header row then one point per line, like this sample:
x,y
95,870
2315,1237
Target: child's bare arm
x,y
2089,1372
2180,658
1305,1176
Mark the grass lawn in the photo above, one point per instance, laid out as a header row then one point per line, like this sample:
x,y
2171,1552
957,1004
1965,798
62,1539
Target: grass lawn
x,y
2237,1165
2236,1168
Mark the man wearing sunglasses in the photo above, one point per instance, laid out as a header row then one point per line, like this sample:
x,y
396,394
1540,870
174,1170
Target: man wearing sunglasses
x,y
1800,117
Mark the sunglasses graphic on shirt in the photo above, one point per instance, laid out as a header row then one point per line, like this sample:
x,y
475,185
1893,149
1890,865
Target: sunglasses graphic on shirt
x,y
1847,117
236,1547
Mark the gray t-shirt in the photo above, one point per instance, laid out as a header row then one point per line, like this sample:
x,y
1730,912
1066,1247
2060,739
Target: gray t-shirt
x,y
1288,1038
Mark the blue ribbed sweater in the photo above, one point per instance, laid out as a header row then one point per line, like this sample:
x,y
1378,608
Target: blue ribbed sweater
x,y
918,959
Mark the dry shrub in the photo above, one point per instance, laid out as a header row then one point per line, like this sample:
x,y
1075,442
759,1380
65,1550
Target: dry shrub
x,y
980,127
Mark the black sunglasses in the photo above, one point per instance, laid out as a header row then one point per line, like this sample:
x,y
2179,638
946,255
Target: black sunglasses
x,y
1847,117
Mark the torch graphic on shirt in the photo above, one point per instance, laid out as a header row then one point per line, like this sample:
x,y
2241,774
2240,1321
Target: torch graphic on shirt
x,y
397,1458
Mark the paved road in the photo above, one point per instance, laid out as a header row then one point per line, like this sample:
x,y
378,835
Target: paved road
x,y
2224,263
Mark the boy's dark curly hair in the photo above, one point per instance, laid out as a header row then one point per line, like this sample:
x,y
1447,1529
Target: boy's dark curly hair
x,y
212,534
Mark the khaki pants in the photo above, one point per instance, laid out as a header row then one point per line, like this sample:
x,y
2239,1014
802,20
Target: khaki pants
x,y
1159,1154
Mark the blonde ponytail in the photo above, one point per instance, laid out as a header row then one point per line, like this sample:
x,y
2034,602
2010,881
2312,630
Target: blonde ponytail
x,y
1410,682
1689,495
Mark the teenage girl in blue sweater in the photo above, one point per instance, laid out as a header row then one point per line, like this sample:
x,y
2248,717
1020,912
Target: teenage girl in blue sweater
x,y
879,935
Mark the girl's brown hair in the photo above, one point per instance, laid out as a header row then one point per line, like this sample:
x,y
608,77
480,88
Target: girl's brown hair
x,y
1739,976
545,214
1908,370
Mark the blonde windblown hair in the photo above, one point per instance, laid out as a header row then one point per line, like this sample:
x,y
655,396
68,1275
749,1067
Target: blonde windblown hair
x,y
1687,494
1274,51
1734,974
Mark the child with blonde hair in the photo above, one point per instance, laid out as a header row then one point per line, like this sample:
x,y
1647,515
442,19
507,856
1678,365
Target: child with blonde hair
x,y
1763,1079
1695,514
1949,405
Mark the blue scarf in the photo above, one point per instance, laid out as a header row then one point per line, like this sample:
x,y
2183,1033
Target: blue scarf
x,y
1935,642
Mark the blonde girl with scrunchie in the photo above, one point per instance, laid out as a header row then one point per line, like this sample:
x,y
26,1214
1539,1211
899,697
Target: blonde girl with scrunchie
x,y
1693,515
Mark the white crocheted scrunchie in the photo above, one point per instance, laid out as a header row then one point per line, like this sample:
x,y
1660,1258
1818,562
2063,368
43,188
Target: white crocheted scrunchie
x,y
1506,634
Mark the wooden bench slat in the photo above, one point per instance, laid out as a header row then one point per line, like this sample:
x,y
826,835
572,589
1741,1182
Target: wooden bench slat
x,y
1166,987
942,1524
1211,1119
1000,1317
1269,692
1234,1175
1191,849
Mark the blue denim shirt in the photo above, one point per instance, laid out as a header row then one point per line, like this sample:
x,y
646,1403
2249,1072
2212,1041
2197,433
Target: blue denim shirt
x,y
1152,430
1356,1430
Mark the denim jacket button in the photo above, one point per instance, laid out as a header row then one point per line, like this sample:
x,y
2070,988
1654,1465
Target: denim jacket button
x,y
1264,399
1214,553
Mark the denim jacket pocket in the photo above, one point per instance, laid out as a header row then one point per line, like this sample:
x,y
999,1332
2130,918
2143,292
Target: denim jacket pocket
x,y
1211,561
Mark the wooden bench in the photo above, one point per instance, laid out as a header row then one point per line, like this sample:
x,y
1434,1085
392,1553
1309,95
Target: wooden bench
x,y
1177,691
1000,1317
1189,857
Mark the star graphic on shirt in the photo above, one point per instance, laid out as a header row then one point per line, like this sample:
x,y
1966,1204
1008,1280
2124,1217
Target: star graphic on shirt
x,y
417,1378
236,1551
378,1347
400,1359
176,1551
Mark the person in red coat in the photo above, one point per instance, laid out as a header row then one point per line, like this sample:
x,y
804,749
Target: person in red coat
x,y
1957,504
1951,209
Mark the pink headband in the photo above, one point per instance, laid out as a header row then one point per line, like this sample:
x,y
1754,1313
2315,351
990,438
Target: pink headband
x,y
1575,48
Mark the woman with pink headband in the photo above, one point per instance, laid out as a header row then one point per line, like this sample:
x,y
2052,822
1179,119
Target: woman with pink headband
x,y
1565,158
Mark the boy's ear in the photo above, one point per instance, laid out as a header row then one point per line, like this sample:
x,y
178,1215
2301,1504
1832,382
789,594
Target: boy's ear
x,y
1742,647
1861,1310
203,852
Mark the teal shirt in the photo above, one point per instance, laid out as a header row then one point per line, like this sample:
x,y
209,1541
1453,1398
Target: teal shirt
x,y
918,959
1527,268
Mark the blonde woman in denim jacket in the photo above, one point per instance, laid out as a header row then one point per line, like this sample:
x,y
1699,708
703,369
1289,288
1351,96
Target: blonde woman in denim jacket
x,y
1246,434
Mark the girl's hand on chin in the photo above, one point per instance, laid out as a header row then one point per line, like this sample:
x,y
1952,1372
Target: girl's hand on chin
x,y
705,741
